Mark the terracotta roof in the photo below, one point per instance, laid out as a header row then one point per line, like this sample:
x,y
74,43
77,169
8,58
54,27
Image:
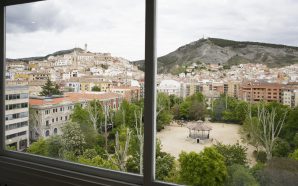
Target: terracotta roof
x,y
74,97
124,87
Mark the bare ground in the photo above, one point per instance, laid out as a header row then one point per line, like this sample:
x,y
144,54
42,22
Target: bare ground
x,y
174,139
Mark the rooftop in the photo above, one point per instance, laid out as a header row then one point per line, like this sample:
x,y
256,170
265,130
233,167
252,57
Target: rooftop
x,y
73,97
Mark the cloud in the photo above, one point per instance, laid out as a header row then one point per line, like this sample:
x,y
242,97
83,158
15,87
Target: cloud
x,y
117,26
272,21
34,17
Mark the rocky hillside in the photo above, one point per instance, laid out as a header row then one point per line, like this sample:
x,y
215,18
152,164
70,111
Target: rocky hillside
x,y
40,58
227,53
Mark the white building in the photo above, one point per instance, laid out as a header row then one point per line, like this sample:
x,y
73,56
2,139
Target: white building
x,y
17,115
49,114
170,87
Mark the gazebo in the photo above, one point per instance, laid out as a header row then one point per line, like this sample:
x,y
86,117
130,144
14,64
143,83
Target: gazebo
x,y
199,130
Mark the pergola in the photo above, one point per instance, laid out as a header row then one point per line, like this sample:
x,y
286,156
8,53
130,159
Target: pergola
x,y
199,130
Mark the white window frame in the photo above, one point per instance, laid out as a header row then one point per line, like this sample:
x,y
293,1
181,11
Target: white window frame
x,y
90,174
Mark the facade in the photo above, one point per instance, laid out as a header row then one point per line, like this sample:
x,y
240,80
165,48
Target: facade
x,y
260,91
289,94
232,88
48,115
17,114
170,87
128,92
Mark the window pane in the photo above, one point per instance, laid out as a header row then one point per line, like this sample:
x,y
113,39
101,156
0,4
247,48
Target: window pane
x,y
72,89
227,92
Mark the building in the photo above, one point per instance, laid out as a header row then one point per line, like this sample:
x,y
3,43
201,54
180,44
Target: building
x,y
17,114
170,87
49,114
232,88
289,94
255,91
130,93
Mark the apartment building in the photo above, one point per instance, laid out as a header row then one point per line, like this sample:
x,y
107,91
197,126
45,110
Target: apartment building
x,y
17,114
255,91
130,93
188,89
232,88
49,114
289,94
170,87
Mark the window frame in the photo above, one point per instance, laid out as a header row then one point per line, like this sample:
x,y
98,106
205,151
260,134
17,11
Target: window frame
x,y
109,177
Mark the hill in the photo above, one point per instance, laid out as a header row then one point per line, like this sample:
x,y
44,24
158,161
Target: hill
x,y
227,53
41,58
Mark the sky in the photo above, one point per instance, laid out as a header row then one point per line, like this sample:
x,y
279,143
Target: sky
x,y
118,26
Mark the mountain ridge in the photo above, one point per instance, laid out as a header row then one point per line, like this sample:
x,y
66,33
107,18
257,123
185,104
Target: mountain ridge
x,y
41,58
227,53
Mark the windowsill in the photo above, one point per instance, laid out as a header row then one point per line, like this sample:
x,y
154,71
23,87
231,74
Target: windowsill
x,y
28,173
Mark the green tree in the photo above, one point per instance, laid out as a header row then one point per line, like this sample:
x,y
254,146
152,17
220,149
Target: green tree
x,y
281,148
291,127
164,163
192,108
39,147
81,116
50,89
53,146
205,168
96,89
163,114
197,111
72,138
233,154
239,175
12,148
294,155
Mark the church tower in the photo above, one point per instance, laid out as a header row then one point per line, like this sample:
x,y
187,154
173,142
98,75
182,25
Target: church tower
x,y
85,47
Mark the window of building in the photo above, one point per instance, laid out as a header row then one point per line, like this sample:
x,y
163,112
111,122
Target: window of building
x,y
214,13
47,133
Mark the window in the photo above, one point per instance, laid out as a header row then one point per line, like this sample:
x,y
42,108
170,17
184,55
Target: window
x,y
47,133
215,19
120,36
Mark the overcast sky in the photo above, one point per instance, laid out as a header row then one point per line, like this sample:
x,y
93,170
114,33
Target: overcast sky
x,y
118,26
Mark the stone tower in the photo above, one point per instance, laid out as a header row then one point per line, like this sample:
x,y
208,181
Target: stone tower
x,y
85,47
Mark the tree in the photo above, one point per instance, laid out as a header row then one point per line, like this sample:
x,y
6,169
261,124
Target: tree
x,y
94,111
239,175
50,89
90,157
294,155
279,171
53,146
39,147
205,168
163,114
80,115
72,138
266,127
233,154
193,107
291,127
165,163
140,136
96,89
121,150
281,148
197,111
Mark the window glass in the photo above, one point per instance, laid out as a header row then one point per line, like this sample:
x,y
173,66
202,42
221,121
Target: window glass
x,y
73,83
227,92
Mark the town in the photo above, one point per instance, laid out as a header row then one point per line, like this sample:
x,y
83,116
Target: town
x,y
84,76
